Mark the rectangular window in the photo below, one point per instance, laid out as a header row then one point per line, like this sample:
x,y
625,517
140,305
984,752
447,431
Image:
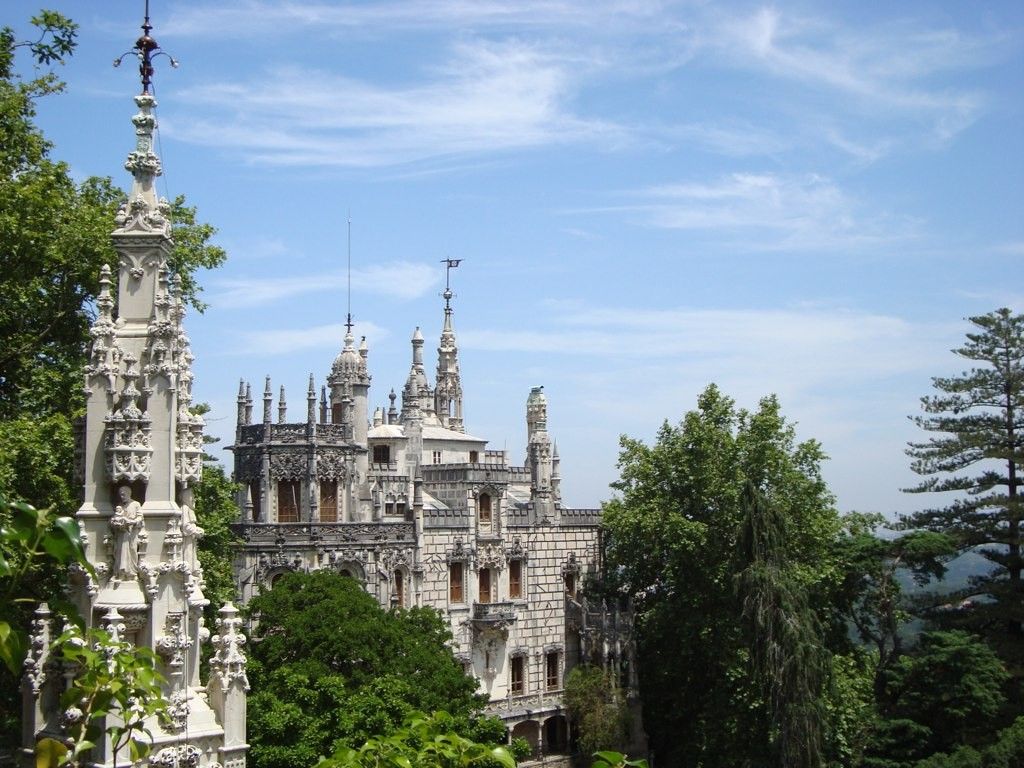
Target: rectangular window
x,y
551,667
485,585
474,457
336,413
328,501
381,454
517,674
570,585
288,501
515,579
455,591
437,457
483,502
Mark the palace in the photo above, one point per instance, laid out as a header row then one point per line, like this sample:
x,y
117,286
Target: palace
x,y
421,512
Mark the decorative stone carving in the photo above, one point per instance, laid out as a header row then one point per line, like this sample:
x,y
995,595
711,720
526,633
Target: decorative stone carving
x,y
127,526
228,662
330,465
571,566
288,465
459,553
248,466
128,433
392,559
516,550
289,433
181,756
172,645
39,645
490,556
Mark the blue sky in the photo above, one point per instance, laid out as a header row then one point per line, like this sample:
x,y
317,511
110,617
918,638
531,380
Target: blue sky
x,y
804,199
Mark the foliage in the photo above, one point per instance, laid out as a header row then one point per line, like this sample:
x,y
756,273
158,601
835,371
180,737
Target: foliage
x,y
32,541
870,596
616,760
596,709
977,449
331,669
114,692
216,509
673,540
942,695
789,663
850,707
424,742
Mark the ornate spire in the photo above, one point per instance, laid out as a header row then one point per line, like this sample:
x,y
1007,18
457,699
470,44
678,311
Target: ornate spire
x,y
144,211
448,394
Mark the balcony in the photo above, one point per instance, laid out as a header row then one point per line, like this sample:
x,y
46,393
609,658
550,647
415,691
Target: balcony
x,y
493,616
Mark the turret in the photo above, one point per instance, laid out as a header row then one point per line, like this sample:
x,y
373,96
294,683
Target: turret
x,y
448,393
349,384
539,459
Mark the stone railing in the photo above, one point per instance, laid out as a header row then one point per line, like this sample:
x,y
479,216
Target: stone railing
x,y
324,533
493,614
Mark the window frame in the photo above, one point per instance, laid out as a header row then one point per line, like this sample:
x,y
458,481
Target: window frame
x,y
458,584
296,500
515,579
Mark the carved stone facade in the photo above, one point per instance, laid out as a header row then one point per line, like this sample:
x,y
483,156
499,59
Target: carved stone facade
x,y
422,513
139,454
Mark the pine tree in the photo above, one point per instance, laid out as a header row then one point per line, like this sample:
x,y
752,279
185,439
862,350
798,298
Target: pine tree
x,y
979,420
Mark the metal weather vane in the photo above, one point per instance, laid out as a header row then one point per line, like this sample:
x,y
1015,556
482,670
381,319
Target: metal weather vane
x,y
145,50
449,265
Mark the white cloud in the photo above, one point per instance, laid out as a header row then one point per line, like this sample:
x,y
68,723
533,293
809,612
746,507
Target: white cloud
x,y
766,211
487,96
878,67
402,280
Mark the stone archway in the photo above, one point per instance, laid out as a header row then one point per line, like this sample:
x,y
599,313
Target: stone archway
x,y
556,735
530,731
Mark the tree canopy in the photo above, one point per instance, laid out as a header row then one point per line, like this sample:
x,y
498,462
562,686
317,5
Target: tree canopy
x,y
330,669
674,541
977,418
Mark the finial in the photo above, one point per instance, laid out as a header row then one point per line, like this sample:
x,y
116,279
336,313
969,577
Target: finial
x,y
146,49
449,265
282,408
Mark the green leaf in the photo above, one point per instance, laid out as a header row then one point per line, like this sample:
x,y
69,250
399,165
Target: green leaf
x,y
50,753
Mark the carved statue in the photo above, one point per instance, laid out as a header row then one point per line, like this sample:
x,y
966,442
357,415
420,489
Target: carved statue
x,y
126,525
190,528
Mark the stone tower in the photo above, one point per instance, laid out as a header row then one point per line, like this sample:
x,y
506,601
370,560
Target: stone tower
x,y
140,454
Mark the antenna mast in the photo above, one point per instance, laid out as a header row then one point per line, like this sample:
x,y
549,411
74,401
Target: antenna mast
x,y
348,321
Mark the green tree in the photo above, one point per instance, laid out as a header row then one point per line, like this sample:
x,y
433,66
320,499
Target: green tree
x,y
597,709
789,663
978,418
330,669
870,596
944,694
673,540
216,510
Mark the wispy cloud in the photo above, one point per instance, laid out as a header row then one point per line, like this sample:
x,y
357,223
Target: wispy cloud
x,y
765,211
262,17
401,280
487,96
282,341
883,66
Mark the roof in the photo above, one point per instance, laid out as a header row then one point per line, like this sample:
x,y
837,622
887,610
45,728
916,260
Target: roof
x,y
397,432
